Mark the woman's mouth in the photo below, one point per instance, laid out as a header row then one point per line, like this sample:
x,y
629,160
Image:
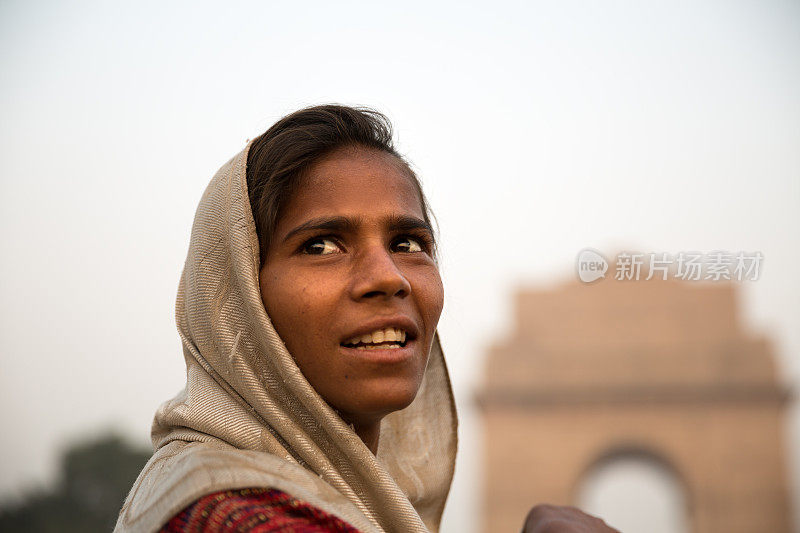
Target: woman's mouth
x,y
380,339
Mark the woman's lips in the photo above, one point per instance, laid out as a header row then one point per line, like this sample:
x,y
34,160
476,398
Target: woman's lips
x,y
383,339
382,331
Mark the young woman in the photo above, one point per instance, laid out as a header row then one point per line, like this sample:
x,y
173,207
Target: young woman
x,y
317,396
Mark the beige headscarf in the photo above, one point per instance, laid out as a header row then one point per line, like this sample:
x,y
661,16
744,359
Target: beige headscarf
x,y
249,418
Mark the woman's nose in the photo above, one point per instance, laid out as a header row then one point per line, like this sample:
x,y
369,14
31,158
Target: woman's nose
x,y
378,276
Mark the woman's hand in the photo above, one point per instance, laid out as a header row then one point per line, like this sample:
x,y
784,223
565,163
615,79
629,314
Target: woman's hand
x,y
544,518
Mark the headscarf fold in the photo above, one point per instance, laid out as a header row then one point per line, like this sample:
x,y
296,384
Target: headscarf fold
x,y
249,418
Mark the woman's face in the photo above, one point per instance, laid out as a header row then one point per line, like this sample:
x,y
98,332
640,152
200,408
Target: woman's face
x,y
350,283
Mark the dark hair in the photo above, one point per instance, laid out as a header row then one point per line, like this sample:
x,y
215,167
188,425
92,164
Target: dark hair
x,y
278,158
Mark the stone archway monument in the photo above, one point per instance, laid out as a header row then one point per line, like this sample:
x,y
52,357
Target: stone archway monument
x,y
660,367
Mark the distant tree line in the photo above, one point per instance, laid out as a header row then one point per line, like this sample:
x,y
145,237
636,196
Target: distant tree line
x,y
94,479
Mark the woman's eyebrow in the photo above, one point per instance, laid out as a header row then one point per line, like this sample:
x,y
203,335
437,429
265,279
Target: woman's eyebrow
x,y
407,223
337,224
343,224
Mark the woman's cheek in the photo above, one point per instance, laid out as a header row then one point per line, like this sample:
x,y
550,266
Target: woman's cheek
x,y
433,295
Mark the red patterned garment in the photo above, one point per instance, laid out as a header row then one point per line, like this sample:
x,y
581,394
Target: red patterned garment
x,y
254,511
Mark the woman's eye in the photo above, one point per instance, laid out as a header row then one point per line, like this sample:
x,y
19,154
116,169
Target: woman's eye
x,y
320,247
407,244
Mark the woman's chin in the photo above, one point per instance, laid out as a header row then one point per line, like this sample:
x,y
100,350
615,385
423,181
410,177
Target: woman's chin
x,y
375,401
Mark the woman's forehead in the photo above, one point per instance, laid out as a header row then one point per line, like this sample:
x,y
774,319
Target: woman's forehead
x,y
355,182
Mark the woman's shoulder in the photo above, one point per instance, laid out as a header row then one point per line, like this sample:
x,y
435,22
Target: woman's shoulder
x,y
180,474
255,510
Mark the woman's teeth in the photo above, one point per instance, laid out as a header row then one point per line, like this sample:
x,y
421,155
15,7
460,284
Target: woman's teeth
x,y
380,339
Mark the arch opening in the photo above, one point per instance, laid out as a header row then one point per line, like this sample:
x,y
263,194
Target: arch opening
x,y
635,491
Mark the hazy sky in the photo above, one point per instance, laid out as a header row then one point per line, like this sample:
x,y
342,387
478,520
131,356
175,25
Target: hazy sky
x,y
538,129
